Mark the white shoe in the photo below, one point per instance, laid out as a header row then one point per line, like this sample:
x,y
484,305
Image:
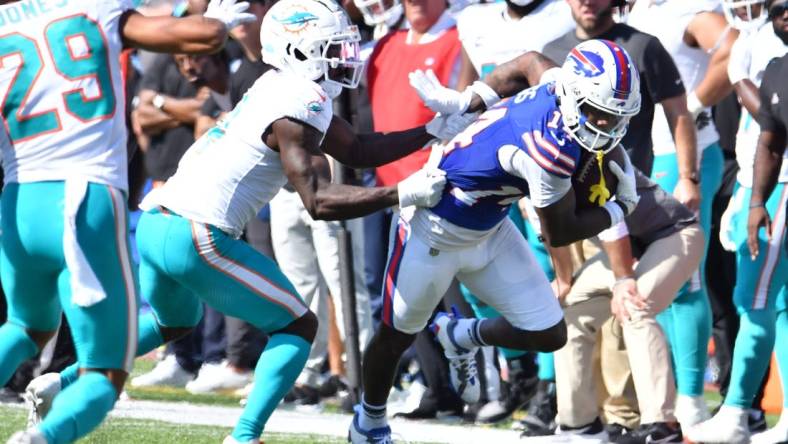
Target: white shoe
x,y
729,425
691,410
167,372
245,391
30,436
39,394
778,433
220,376
230,440
462,361
592,433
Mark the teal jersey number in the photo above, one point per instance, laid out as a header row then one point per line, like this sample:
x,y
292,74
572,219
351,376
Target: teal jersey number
x,y
62,36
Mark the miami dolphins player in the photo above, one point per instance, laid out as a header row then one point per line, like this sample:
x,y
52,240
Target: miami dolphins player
x,y
527,145
760,291
188,236
64,204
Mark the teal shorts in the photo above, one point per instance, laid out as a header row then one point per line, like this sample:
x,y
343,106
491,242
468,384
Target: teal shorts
x,y
183,263
37,281
760,283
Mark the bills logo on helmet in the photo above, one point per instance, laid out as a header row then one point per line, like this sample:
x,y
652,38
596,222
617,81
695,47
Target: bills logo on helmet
x,y
296,20
586,63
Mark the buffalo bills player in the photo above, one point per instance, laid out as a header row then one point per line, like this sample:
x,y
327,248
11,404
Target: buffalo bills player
x,y
526,146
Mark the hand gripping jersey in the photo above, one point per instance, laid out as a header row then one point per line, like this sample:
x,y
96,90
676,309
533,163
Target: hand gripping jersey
x,y
749,57
517,148
229,174
491,37
61,91
651,17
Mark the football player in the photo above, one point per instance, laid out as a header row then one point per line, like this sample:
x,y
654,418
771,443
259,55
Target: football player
x,y
528,145
188,236
64,204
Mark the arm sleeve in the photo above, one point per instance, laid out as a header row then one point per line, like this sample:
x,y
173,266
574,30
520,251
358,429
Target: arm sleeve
x,y
767,119
662,77
739,60
544,188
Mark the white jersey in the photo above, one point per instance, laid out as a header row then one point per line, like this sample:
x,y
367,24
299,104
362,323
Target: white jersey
x,y
229,174
61,90
651,17
491,37
749,56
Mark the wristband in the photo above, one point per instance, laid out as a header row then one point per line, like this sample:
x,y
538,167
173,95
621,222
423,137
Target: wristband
x,y
616,213
621,280
757,205
694,106
483,90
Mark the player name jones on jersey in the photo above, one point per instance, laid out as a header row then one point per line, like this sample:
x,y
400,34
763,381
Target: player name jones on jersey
x,y
28,9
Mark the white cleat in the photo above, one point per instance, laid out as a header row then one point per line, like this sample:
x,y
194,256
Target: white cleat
x,y
214,377
462,361
729,425
167,372
230,440
691,410
778,433
39,395
31,436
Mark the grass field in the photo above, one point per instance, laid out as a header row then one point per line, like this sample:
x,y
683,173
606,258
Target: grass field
x,y
129,431
136,431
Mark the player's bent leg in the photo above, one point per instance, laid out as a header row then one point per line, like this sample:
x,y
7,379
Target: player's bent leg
x,y
277,369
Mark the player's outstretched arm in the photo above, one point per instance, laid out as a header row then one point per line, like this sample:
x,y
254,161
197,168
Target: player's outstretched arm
x,y
308,171
189,35
372,149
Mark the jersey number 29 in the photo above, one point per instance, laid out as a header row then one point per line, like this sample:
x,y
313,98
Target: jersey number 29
x,y
91,62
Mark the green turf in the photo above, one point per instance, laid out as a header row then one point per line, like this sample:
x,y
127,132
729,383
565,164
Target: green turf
x,y
133,431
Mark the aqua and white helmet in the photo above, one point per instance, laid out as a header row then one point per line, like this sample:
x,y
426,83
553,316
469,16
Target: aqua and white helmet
x,y
380,12
313,39
598,76
745,15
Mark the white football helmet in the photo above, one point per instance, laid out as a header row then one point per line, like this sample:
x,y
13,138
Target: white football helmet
x,y
377,12
745,15
313,39
598,82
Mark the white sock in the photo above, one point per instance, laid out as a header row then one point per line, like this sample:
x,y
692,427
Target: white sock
x,y
466,333
372,416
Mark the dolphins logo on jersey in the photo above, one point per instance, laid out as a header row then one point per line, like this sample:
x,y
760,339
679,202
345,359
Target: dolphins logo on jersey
x,y
586,63
297,20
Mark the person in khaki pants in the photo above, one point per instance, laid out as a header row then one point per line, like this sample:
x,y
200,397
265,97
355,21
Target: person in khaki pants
x,y
643,264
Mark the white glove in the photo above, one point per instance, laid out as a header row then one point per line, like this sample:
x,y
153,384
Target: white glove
x,y
626,193
726,230
423,188
445,127
230,13
438,97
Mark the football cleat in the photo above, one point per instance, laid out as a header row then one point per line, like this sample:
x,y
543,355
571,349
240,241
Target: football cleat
x,y
30,436
39,395
357,435
462,361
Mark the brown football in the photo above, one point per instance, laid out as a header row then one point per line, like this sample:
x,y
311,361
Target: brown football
x,y
586,176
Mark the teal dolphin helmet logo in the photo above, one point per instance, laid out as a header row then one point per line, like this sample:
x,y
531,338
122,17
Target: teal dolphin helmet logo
x,y
297,20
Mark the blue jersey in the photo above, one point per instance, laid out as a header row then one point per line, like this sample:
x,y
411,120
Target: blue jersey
x,y
479,190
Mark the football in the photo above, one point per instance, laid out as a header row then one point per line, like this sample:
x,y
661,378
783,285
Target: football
x,y
585,180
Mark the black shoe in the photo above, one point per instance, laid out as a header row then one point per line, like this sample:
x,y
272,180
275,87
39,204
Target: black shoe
x,y
541,412
332,386
756,421
418,413
309,396
654,433
9,396
616,431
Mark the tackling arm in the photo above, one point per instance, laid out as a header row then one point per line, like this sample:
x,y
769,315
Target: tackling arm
x,y
189,35
514,76
373,149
